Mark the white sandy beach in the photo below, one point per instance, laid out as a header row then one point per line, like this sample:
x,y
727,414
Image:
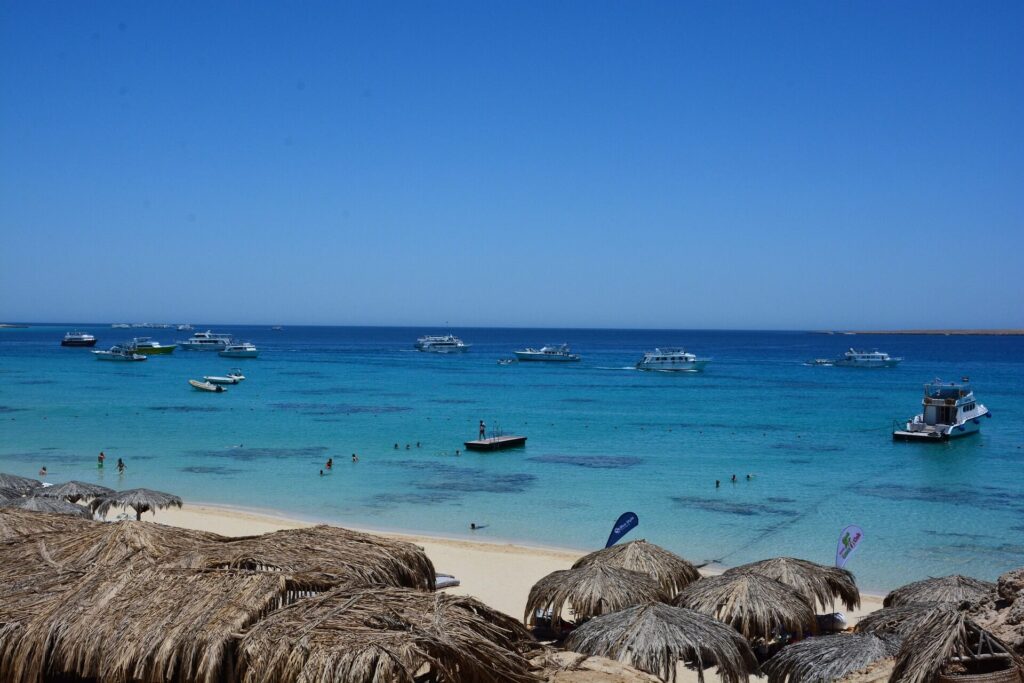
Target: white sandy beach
x,y
500,575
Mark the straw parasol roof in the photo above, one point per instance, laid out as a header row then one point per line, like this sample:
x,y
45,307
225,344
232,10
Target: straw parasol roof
x,y
948,641
829,658
383,635
329,554
818,583
8,494
560,666
140,500
955,589
51,505
589,591
654,637
758,607
21,524
74,491
21,485
671,571
899,621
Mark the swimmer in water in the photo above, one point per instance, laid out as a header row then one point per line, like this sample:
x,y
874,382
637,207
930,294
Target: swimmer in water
x,y
355,458
330,463
734,478
120,465
396,446
321,473
717,483
100,459
42,471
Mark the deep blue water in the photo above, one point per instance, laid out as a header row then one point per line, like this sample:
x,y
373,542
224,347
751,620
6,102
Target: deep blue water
x,y
603,438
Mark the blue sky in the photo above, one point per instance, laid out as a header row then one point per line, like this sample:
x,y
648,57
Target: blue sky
x,y
632,164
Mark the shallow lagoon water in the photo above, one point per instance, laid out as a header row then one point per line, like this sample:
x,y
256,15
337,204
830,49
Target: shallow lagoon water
x,y
603,438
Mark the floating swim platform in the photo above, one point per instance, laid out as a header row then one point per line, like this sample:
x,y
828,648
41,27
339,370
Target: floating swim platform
x,y
496,443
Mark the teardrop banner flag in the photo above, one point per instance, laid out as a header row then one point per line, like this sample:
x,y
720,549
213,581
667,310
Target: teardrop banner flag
x,y
849,539
625,524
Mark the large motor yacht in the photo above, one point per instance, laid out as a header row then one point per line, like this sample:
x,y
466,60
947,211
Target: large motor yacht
x,y
551,354
448,343
206,341
866,359
672,360
240,350
78,339
151,347
949,411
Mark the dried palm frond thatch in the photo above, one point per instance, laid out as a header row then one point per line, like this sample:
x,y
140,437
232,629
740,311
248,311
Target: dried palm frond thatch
x,y
8,494
955,589
20,485
948,641
654,637
756,606
140,500
23,524
74,491
899,621
829,658
590,591
819,583
383,635
560,666
48,505
329,554
671,571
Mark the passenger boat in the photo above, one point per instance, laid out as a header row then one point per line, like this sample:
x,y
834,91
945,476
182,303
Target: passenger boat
x,y
240,350
866,359
671,360
150,347
949,411
448,343
119,353
78,339
206,341
551,354
206,386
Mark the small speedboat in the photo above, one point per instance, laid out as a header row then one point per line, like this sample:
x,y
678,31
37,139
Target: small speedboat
x,y
151,347
220,379
821,362
236,374
78,339
240,350
118,353
506,361
206,386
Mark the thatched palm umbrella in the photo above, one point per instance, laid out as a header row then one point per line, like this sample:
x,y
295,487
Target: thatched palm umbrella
x,y
589,591
18,524
74,491
329,554
671,571
60,507
818,583
954,589
829,658
758,607
8,494
140,500
561,666
899,621
20,485
654,637
383,635
948,640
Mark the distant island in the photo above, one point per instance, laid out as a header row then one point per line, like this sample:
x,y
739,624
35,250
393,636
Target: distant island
x,y
12,325
990,333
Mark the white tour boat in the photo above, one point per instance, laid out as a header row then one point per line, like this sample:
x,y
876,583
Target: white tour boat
x,y
551,354
205,341
672,360
119,353
240,350
448,343
78,339
866,359
949,411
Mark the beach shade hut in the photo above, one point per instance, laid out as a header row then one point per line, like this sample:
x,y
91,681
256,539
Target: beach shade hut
x,y
384,635
18,524
329,555
50,505
589,591
820,584
20,485
829,658
899,621
756,606
671,571
74,491
655,637
140,500
953,589
948,647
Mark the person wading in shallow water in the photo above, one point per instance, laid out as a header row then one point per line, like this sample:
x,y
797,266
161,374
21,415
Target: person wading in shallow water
x,y
120,465
100,459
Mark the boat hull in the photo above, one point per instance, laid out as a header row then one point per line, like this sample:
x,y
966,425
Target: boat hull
x,y
157,350
78,342
967,428
545,358
107,355
842,363
201,347
239,354
207,386
695,366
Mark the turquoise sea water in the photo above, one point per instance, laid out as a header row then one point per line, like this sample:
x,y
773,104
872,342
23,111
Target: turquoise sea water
x,y
603,439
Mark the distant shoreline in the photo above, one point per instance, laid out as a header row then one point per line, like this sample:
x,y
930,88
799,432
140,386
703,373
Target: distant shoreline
x,y
985,333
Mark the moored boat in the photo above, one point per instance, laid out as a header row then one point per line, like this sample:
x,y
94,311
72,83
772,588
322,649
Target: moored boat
x,y
77,338
151,347
855,358
220,379
240,350
206,386
949,410
671,360
119,353
448,343
551,354
205,341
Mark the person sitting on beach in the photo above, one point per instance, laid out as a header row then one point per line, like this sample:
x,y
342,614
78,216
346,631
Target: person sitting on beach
x,y
42,471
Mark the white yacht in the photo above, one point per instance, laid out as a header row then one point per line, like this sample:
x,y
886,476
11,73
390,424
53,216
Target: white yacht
x,y
949,411
119,353
671,360
205,341
866,359
240,350
448,343
551,354
151,347
184,327
78,339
